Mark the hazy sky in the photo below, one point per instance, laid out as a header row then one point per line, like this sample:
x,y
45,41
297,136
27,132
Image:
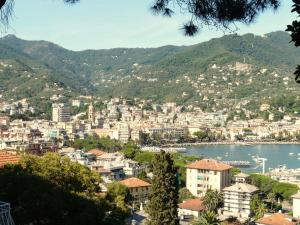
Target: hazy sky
x,y
98,24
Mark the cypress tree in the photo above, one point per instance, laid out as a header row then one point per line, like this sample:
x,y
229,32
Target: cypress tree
x,y
163,197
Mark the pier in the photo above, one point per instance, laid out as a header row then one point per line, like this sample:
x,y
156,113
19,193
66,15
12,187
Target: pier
x,y
238,163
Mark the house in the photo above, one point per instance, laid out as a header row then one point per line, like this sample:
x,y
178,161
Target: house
x,y
237,199
7,157
109,173
207,174
242,178
190,208
275,219
96,152
296,205
139,190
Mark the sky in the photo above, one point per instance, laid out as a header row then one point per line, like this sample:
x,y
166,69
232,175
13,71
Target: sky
x,y
103,24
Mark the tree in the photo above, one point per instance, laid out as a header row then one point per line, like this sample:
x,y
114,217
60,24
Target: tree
x,y
213,200
68,175
43,190
272,199
207,218
185,194
258,207
163,196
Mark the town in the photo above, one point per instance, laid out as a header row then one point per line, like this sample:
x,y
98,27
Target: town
x,y
144,128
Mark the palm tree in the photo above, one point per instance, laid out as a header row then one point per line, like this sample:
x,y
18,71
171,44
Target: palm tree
x,y
213,200
260,211
207,218
272,199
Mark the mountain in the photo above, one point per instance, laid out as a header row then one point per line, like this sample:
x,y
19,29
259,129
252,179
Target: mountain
x,y
229,71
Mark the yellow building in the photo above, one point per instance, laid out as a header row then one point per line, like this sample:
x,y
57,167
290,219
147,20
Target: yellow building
x,y
138,188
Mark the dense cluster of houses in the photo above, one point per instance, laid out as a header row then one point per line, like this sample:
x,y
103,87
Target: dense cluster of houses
x,y
202,175
122,120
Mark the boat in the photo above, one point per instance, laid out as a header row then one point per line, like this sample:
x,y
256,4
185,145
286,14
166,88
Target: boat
x,y
291,153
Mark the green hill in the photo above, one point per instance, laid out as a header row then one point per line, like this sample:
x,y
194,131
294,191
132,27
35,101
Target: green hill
x,y
223,72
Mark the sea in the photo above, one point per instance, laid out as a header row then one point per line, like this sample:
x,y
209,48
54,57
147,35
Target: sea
x,y
276,154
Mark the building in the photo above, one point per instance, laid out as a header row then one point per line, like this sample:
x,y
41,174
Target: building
x,y
139,190
207,174
296,205
60,113
124,132
242,178
7,157
237,199
275,219
190,208
91,113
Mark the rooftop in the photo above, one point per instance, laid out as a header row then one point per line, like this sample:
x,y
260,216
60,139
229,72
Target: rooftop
x,y
275,219
134,182
243,175
97,152
241,187
192,204
209,164
8,157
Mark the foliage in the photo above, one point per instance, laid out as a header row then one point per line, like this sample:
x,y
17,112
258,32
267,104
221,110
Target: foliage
x,y
258,207
213,200
207,218
69,176
185,194
163,196
91,142
116,190
267,185
234,171
220,14
165,64
48,191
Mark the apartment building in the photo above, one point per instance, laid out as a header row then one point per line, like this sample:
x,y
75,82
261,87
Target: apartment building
x,y
60,113
237,200
207,174
124,132
296,205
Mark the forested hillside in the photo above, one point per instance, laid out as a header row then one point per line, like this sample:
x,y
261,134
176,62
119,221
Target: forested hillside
x,y
226,72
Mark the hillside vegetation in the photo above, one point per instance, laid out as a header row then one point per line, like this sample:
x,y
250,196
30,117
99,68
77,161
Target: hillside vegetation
x,y
231,71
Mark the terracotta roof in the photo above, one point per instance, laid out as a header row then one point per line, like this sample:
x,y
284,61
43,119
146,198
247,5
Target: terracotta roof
x,y
134,182
96,152
275,219
209,164
8,157
192,204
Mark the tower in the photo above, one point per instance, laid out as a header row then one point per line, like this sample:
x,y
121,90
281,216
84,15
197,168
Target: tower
x,y
91,113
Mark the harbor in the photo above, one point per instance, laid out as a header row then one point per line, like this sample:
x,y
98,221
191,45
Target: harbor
x,y
271,156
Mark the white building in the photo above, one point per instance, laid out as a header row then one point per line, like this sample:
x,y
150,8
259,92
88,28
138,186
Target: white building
x,y
207,174
60,113
124,132
237,199
296,205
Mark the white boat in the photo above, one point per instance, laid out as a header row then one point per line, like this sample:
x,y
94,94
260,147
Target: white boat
x,y
291,153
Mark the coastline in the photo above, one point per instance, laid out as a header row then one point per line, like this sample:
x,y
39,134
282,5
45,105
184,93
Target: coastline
x,y
233,143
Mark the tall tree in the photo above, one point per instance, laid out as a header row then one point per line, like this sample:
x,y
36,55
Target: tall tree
x,y
163,197
213,200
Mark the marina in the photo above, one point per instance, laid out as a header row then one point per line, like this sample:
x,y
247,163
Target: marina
x,y
272,156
